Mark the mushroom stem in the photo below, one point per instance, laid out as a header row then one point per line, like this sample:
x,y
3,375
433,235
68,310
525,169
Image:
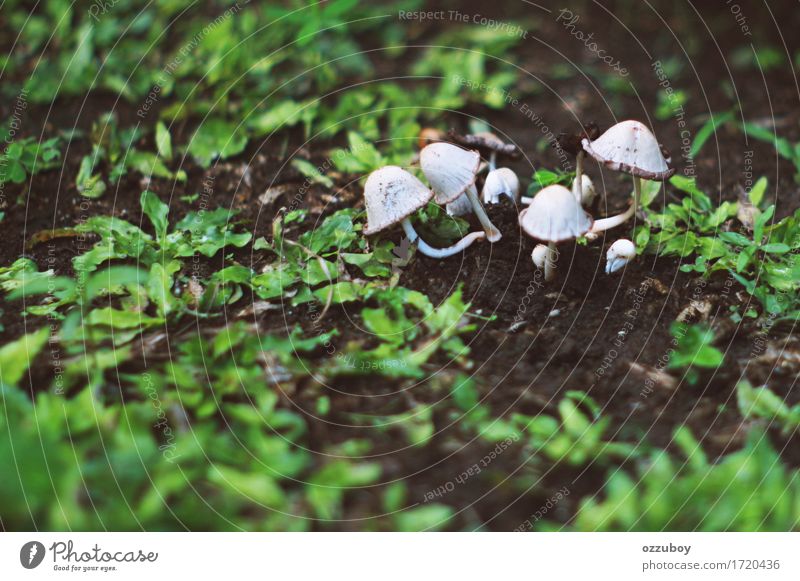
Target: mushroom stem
x,y
492,233
550,262
493,161
427,250
577,187
614,221
637,192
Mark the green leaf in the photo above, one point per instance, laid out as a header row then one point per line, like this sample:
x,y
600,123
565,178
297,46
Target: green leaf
x,y
776,248
783,146
341,292
16,357
216,138
157,211
283,115
261,488
430,517
763,403
159,286
310,171
163,141
735,238
708,129
756,193
117,319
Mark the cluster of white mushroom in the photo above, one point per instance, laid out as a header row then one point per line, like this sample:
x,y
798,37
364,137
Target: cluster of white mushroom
x,y
556,214
392,194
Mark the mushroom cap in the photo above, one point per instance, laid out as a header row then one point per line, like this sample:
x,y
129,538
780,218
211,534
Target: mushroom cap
x,y
449,169
490,139
619,254
630,147
588,191
622,248
461,206
502,181
390,195
539,256
554,216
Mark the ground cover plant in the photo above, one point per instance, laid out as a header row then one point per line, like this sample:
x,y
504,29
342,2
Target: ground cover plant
x,y
206,325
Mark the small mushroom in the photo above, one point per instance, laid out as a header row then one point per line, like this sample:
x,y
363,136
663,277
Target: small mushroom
x,y
461,206
539,255
391,195
486,143
572,143
629,147
619,254
451,171
554,216
585,193
500,181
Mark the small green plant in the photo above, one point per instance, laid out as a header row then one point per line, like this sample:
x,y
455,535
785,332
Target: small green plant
x,y
763,404
145,292
785,148
577,438
543,177
670,103
761,255
709,128
26,157
115,149
749,490
693,350
765,58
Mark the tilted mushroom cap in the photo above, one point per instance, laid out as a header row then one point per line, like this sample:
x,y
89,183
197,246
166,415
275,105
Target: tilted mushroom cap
x,y
390,195
450,169
631,148
486,142
619,254
554,216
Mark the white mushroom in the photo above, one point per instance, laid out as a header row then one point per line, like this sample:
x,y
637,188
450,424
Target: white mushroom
x,y
629,147
391,195
554,216
539,255
584,191
500,181
461,206
451,171
491,140
619,254
487,143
